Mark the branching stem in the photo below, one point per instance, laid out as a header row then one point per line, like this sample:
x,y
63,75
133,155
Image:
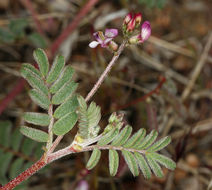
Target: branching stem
x,y
49,157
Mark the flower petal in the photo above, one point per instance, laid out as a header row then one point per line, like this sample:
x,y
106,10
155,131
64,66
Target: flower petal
x,y
94,44
111,33
145,31
97,36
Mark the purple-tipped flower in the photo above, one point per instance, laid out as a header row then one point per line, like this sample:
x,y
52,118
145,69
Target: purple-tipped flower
x,y
103,39
145,31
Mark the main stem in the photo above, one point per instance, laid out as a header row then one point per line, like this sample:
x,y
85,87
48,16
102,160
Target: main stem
x,y
50,157
106,71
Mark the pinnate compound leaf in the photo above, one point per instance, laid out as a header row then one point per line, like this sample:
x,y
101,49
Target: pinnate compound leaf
x,y
64,93
163,160
122,137
113,162
108,137
56,68
42,61
89,117
143,165
33,80
94,159
154,166
37,118
64,77
135,139
160,144
34,134
68,106
148,140
39,98
131,162
65,124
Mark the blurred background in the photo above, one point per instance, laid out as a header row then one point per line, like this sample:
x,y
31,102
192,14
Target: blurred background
x,y
163,84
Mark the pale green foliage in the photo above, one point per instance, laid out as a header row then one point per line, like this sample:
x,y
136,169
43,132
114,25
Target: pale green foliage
x,y
50,87
89,117
34,134
11,143
37,118
113,162
42,61
65,124
94,159
139,150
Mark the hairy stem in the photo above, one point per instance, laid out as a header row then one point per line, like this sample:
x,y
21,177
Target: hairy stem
x,y
49,156
25,175
106,71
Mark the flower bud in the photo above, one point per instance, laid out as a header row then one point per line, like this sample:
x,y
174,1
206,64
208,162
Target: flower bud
x,y
138,19
134,39
113,46
127,18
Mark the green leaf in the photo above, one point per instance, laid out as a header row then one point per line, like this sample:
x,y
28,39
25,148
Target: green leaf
x,y
37,40
33,80
65,124
64,77
31,69
135,139
56,68
89,118
94,159
108,137
5,160
34,134
154,166
163,160
68,106
131,162
37,118
5,131
16,168
123,136
160,144
27,146
64,93
113,162
143,165
16,139
39,98
148,140
17,26
6,36
42,61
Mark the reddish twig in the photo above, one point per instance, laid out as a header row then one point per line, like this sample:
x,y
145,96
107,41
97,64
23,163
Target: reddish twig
x,y
156,90
28,5
24,175
19,87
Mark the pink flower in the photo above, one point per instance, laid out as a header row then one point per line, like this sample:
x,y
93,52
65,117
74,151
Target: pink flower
x,y
145,31
103,39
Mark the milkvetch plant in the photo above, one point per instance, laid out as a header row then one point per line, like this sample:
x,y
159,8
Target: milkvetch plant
x,y
54,90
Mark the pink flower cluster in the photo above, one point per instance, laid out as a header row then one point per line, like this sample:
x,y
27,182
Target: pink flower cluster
x,y
131,22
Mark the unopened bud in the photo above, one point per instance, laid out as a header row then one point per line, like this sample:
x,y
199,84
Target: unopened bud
x,y
113,46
